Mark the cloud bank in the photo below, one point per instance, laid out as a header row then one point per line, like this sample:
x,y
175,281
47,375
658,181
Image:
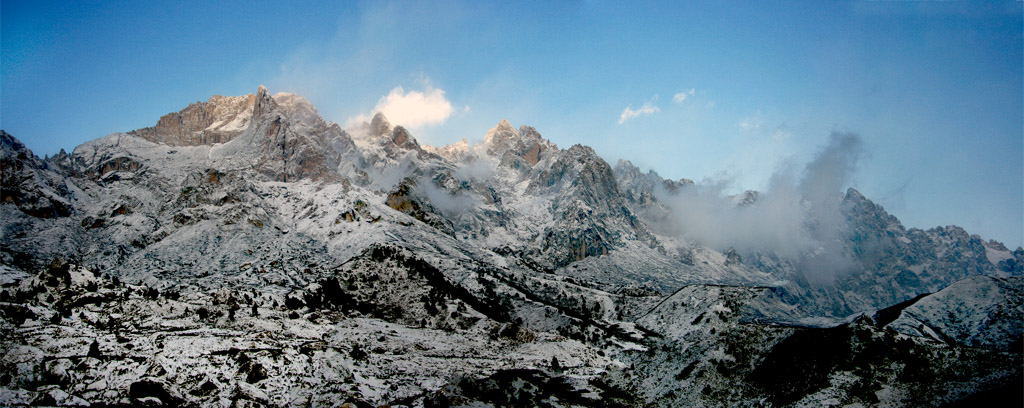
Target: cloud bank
x,y
798,217
412,109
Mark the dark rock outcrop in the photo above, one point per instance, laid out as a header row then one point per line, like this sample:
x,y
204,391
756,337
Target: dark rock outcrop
x,y
27,182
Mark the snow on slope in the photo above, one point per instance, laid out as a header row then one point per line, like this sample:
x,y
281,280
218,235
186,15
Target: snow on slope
x,y
981,311
384,271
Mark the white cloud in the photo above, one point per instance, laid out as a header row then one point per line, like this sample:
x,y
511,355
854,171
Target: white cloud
x,y
648,108
680,97
412,109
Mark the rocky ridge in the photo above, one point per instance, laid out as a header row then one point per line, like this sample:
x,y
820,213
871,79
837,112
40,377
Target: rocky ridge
x,y
245,251
217,120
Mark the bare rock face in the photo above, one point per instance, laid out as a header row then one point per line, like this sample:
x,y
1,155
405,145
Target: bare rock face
x,y
218,120
284,131
401,138
295,142
27,182
379,125
591,216
520,149
262,102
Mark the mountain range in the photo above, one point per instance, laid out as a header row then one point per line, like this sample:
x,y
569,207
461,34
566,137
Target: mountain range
x,y
245,252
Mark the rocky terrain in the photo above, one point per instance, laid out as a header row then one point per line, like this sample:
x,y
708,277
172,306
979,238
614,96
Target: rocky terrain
x,y
246,252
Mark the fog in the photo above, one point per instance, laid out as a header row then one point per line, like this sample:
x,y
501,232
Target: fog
x,y
798,217
387,178
479,168
449,204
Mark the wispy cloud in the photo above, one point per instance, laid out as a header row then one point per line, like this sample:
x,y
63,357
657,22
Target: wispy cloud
x,y
752,123
412,109
680,97
781,134
648,108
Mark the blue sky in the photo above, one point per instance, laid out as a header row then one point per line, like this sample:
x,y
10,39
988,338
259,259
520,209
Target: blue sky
x,y
717,91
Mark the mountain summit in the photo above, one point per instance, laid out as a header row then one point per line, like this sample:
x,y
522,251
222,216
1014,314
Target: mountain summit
x,y
517,148
217,120
246,251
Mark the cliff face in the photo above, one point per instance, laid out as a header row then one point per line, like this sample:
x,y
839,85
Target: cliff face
x,y
295,143
591,216
217,120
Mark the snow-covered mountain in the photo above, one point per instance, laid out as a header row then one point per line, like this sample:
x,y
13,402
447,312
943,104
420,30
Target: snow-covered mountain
x,y
246,251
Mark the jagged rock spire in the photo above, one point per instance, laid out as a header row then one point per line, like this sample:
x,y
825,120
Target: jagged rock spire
x,y
264,102
379,125
498,135
526,144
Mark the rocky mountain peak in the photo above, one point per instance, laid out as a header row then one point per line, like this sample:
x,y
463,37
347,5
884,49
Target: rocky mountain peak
x,y
630,176
384,269
634,184
591,215
517,148
853,195
499,135
218,120
298,109
864,213
626,167
380,131
529,132
505,125
10,146
583,152
263,102
746,198
379,125
402,138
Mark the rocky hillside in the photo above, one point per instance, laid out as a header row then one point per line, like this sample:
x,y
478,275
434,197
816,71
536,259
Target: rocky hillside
x,y
245,251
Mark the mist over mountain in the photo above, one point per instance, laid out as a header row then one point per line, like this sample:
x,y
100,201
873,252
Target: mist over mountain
x,y
244,251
